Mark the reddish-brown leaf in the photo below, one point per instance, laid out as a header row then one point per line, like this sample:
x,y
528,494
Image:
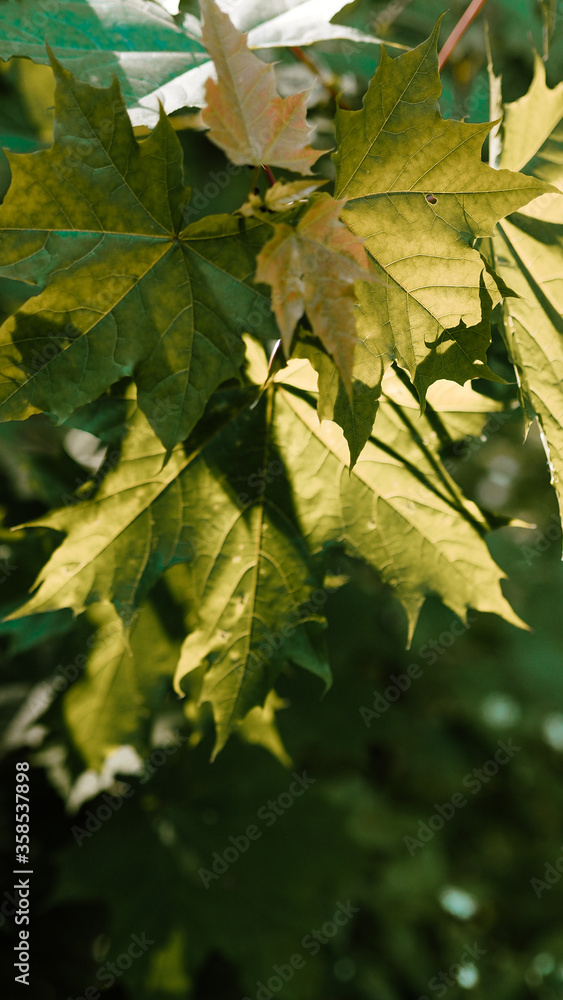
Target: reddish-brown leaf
x,y
312,269
246,116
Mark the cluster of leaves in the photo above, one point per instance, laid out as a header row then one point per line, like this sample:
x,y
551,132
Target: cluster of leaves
x,y
242,470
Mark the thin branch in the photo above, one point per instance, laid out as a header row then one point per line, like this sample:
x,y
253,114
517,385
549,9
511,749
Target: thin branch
x,y
388,15
461,26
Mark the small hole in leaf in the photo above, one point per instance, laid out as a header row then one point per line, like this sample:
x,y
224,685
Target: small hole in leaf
x,y
431,199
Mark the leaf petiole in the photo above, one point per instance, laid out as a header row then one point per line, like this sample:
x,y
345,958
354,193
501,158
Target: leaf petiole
x,y
460,28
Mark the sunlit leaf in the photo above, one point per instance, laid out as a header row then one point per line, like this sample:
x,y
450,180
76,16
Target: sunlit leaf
x,y
399,510
528,251
409,530
419,194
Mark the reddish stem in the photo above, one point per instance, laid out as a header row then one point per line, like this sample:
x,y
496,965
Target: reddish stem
x,y
299,54
269,174
461,26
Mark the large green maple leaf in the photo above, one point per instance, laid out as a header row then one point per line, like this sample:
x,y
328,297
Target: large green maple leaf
x,y
154,58
230,521
528,254
96,222
419,194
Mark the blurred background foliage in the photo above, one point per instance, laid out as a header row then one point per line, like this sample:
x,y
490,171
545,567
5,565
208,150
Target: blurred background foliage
x,y
455,915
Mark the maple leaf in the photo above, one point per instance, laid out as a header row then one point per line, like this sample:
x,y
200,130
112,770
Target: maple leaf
x,y
352,407
135,41
249,574
398,509
156,59
528,255
246,116
355,411
96,222
457,411
419,194
410,532
313,269
259,727
291,22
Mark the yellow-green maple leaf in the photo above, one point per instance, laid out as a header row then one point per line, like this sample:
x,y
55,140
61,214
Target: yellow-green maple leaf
x,y
419,194
528,254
